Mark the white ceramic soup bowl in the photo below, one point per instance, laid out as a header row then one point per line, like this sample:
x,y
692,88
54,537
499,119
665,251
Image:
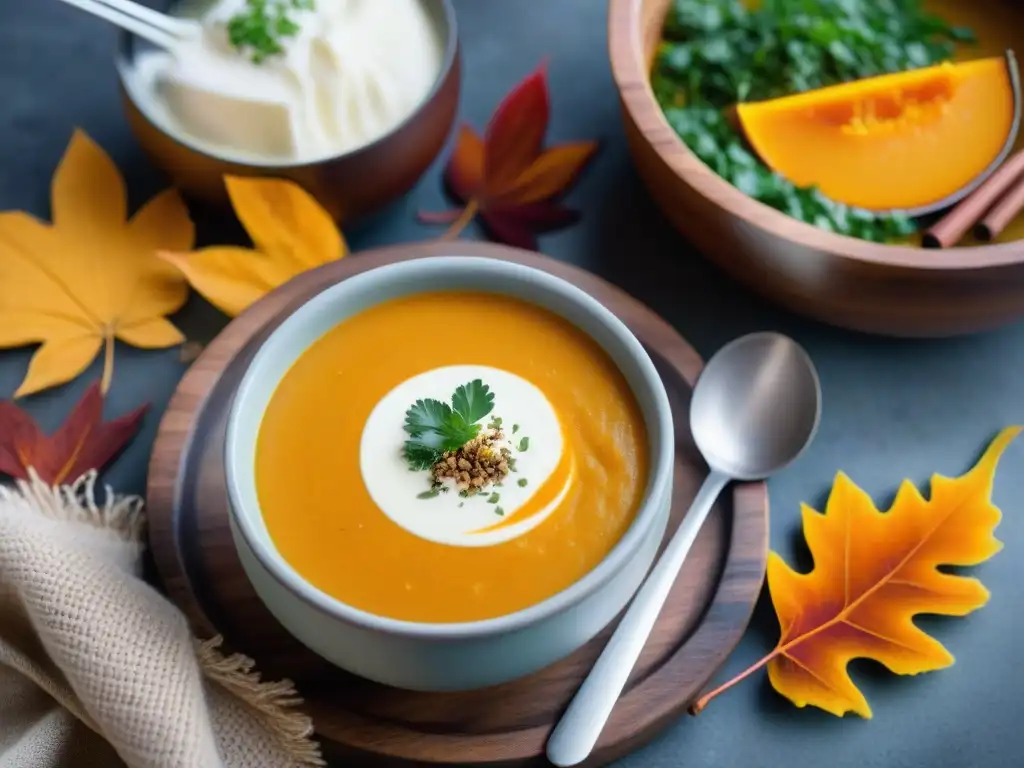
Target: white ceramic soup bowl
x,y
453,656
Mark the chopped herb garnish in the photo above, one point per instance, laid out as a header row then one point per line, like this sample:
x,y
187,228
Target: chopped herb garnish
x,y
522,482
462,503
515,428
493,498
435,427
420,456
717,53
260,28
499,511
463,494
427,494
524,444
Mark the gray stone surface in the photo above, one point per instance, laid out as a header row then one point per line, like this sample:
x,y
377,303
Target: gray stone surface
x,y
893,409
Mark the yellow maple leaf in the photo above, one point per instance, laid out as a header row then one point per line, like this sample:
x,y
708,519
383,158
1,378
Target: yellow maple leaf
x,y
91,276
291,231
873,572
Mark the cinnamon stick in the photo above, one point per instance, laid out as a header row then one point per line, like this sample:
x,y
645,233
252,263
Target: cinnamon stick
x,y
951,227
1002,213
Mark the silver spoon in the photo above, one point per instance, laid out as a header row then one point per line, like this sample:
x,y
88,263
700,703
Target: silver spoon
x,y
754,410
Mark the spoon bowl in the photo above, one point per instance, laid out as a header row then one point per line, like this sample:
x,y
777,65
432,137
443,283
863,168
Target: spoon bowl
x,y
756,406
755,409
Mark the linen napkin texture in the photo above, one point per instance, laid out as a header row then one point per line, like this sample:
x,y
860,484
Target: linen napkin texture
x,y
98,669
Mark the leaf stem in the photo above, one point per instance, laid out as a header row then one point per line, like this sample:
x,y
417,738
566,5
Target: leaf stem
x,y
698,706
439,217
62,474
468,214
108,363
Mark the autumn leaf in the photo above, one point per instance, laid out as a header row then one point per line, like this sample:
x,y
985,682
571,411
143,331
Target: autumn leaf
x,y
89,277
83,442
507,177
290,230
873,572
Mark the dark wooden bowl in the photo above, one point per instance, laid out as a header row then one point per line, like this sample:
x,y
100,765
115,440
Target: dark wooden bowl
x,y
886,289
349,185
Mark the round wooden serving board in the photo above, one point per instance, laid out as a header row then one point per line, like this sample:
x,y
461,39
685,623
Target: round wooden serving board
x,y
503,726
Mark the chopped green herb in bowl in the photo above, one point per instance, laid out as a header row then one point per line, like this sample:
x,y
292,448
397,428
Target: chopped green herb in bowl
x,y
261,27
717,53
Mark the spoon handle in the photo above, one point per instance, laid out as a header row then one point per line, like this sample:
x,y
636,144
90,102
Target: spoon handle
x,y
160,29
577,732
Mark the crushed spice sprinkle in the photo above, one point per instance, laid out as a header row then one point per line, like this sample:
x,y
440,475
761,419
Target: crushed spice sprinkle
x,y
477,465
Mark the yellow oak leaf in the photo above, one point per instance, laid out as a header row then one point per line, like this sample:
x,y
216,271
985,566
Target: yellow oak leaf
x,y
91,276
873,572
291,231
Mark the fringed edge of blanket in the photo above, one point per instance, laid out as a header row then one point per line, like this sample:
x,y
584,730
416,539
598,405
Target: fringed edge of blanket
x,y
77,502
273,702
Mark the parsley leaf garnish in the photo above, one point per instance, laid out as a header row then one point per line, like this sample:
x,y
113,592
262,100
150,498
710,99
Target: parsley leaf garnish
x,y
473,401
435,427
426,415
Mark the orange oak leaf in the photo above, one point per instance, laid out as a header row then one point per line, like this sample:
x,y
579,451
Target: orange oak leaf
x,y
90,277
291,231
83,442
873,572
507,177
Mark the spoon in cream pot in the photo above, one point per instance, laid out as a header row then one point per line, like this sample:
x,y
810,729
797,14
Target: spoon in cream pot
x,y
754,410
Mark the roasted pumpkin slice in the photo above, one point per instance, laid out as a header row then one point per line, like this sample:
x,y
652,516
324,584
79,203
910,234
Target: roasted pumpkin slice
x,y
914,141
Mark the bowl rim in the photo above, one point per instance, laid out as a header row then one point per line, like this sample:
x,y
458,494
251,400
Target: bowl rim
x,y
659,481
123,63
632,80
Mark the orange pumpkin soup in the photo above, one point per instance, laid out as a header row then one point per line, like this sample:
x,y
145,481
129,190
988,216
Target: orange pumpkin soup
x,y
326,509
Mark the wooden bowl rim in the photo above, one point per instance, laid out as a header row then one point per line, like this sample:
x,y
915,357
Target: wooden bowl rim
x,y
630,73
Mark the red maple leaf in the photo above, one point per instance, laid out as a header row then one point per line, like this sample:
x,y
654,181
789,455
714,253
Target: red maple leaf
x,y
81,443
507,177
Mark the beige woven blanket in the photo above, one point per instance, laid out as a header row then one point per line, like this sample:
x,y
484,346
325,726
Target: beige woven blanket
x,y
97,669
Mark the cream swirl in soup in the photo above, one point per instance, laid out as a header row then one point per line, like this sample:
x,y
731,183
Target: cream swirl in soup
x,y
349,73
492,517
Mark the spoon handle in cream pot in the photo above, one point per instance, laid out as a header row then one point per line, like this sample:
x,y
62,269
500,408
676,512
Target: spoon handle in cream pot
x,y
577,732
